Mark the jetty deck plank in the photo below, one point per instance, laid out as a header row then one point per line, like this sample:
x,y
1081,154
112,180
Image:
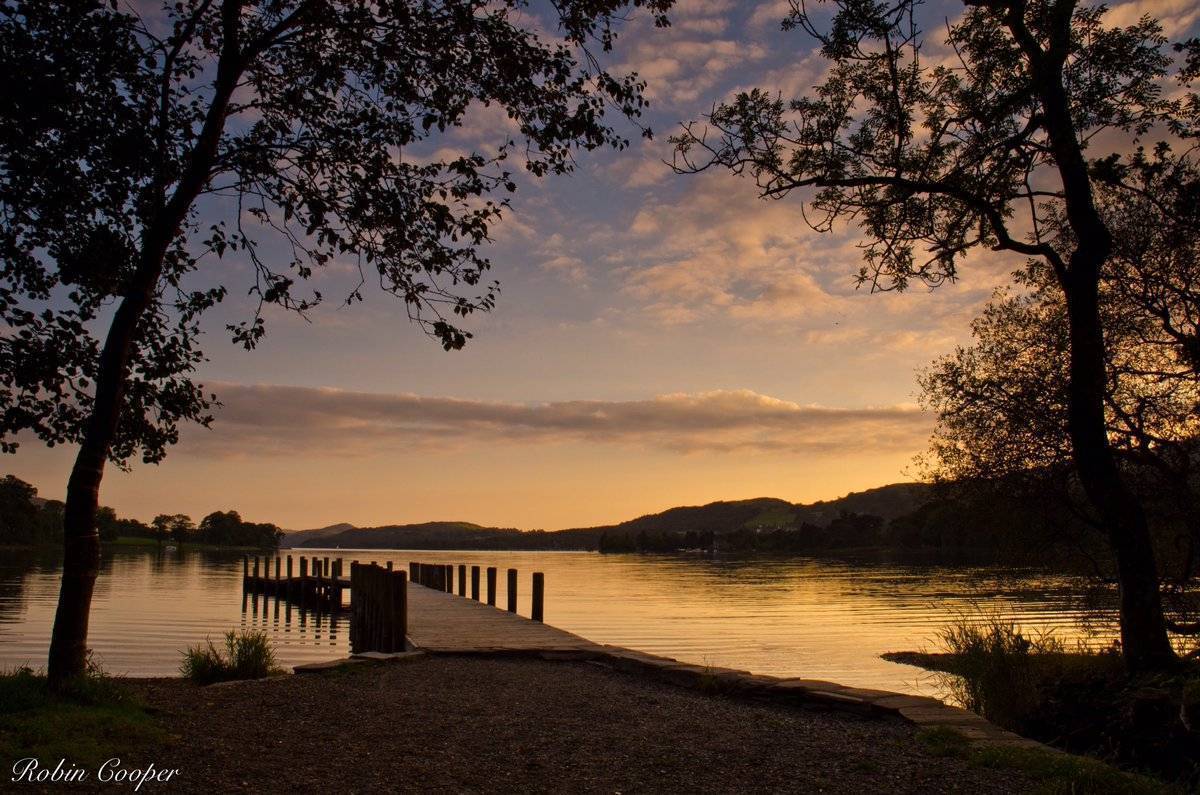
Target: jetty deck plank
x,y
443,622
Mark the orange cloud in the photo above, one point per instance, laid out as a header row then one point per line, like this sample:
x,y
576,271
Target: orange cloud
x,y
270,419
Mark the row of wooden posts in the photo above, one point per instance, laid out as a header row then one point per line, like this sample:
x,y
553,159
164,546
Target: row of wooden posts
x,y
440,577
323,584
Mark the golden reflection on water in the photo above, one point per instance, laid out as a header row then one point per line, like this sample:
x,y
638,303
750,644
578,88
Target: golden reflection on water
x,y
820,619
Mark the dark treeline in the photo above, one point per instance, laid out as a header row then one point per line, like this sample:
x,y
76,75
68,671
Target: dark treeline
x,y
443,535
1010,522
979,522
27,520
847,531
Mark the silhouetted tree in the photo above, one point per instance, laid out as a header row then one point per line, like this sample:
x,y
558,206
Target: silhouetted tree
x,y
296,118
106,523
1002,403
50,521
182,528
935,159
18,511
227,528
176,526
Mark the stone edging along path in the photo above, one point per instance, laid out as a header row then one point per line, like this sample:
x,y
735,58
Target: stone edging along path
x,y
925,712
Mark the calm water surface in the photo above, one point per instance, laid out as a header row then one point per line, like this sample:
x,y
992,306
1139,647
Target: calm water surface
x,y
820,619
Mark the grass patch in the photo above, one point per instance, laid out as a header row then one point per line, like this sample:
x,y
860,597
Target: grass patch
x,y
1064,773
1053,772
246,655
94,720
944,741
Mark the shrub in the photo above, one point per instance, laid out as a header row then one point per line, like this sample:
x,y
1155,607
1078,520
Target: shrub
x,y
996,669
247,655
1078,700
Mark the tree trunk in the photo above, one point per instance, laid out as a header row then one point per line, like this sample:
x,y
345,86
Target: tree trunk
x,y
1144,640
81,562
81,541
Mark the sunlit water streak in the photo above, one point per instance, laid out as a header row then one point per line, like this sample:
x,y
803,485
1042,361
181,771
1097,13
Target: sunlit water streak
x,y
821,619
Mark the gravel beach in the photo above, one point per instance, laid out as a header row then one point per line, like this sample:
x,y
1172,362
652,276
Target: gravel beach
x,y
472,724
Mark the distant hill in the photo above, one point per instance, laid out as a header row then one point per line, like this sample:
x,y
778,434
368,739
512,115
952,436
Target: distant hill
x,y
695,522
887,502
439,535
296,536
767,524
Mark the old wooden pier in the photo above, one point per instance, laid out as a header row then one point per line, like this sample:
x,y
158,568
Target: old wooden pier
x,y
387,616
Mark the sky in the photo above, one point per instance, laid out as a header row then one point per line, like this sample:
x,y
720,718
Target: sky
x,y
660,340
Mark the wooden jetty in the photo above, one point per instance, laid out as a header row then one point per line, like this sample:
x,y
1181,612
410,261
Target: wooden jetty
x,y
442,622
386,614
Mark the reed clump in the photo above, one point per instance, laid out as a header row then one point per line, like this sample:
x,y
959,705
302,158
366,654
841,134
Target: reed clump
x,y
997,669
1077,699
245,655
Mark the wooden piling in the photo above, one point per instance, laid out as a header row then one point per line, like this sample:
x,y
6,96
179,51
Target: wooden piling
x,y
355,602
512,590
400,610
289,567
462,580
256,568
387,609
539,596
475,583
389,565
245,568
491,586
374,628
449,578
278,566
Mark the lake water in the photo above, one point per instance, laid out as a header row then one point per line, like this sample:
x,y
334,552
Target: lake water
x,y
821,619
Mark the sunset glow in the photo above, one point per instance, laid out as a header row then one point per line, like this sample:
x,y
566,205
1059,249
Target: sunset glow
x,y
659,340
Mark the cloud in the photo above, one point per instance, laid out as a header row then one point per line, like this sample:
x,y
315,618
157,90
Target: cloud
x,y
717,254
769,15
689,61
719,250
571,269
1178,17
286,420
